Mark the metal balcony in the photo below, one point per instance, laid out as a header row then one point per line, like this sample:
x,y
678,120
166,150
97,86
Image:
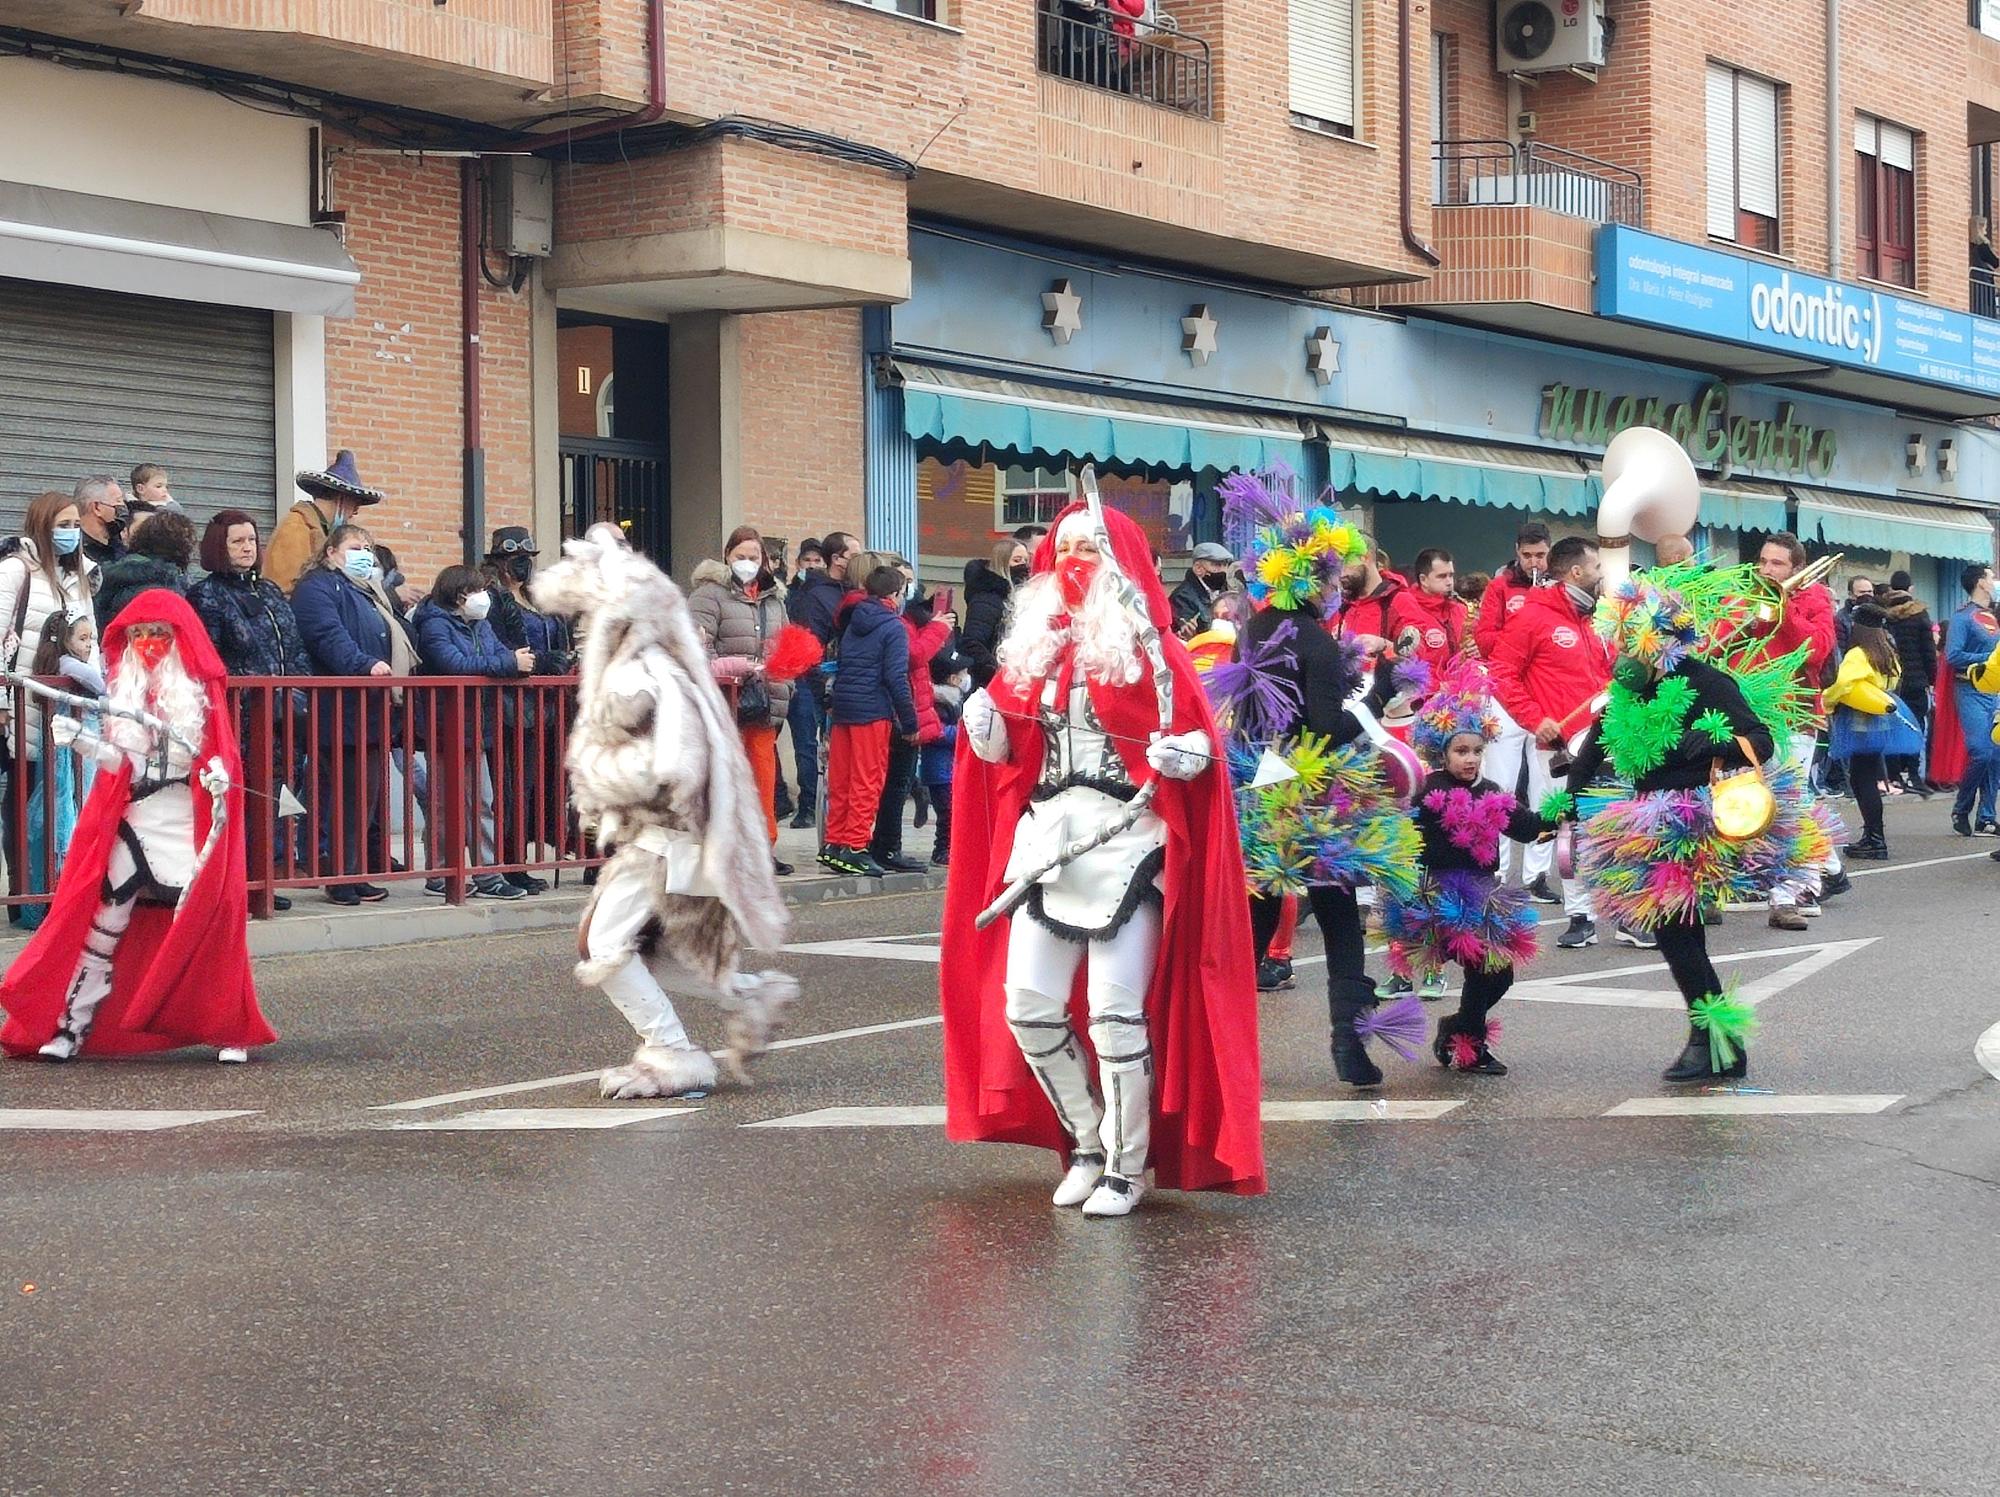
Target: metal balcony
x,y
1145,58
1471,173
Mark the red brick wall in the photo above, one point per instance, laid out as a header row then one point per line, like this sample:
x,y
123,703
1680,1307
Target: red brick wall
x,y
393,374
801,428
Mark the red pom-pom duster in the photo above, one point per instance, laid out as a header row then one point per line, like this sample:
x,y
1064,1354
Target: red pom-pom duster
x,y
794,652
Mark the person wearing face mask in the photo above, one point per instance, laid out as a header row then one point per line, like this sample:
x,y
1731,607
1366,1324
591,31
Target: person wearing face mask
x,y
335,494
739,611
42,571
989,583
106,518
350,629
455,638
509,567
1207,579
1549,665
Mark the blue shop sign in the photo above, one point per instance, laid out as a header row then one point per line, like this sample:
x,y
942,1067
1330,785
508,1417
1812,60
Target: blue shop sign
x,y
1687,288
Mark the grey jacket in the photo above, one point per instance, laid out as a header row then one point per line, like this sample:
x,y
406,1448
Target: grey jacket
x,y
731,624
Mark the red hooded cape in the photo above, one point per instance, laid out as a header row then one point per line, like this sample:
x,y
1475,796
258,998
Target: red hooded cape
x,y
179,978
1201,1006
1947,756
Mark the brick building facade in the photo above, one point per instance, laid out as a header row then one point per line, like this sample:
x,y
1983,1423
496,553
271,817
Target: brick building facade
x,y
803,251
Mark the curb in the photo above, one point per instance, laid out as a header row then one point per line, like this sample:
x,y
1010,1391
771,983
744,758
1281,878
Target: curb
x,y
312,926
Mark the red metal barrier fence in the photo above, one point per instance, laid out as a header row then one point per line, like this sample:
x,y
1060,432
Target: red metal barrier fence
x,y
414,777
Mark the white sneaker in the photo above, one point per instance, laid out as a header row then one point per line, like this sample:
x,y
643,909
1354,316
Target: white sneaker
x,y
232,1055
1085,1170
1114,1196
62,1047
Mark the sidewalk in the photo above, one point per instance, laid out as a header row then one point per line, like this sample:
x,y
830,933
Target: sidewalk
x,y
408,914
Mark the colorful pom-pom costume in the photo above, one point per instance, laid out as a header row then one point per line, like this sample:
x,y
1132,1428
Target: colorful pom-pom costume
x,y
1684,708
1329,823
1460,911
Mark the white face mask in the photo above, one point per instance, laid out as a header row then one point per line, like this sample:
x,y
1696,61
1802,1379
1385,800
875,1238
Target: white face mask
x,y
745,570
477,605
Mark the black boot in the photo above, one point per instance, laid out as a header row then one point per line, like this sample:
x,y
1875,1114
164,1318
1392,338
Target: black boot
x,y
1347,998
1873,847
1696,1063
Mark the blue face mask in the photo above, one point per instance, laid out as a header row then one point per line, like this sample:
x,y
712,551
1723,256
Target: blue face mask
x,y
66,538
360,565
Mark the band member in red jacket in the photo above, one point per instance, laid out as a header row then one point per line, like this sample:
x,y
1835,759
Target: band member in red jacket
x,y
1807,619
1441,635
1508,758
1510,587
1378,608
1548,666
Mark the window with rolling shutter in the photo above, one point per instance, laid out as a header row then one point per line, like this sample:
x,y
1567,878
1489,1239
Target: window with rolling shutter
x,y
97,382
1743,164
1324,62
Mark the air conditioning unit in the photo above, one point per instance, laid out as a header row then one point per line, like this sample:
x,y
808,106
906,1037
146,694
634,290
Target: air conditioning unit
x,y
1548,36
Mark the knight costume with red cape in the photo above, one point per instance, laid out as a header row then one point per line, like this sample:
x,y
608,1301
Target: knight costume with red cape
x,y
178,977
1200,1006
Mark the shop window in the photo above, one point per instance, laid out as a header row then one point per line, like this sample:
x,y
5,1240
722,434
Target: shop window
x,y
1030,496
1742,158
1885,201
1325,63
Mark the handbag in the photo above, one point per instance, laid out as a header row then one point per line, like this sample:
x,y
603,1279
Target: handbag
x,y
753,701
1743,804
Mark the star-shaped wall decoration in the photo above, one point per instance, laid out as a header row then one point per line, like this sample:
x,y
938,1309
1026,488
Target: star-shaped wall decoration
x,y
1322,355
1062,312
1198,333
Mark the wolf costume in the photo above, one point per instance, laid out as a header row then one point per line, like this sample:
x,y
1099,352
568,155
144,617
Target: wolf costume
x,y
656,763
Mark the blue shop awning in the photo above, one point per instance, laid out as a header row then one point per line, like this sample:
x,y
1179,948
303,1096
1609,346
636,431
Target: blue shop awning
x,y
1743,505
1032,423
1408,466
1955,532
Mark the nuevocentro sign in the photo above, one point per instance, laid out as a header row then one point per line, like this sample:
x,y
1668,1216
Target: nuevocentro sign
x,y
1713,436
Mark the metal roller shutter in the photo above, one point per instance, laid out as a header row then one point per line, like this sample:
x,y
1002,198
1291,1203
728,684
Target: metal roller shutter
x,y
96,382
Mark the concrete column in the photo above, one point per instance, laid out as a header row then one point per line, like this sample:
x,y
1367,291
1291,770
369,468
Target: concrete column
x,y
545,431
704,434
299,381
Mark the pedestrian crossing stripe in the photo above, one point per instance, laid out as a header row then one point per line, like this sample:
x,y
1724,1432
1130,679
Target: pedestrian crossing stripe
x,y
529,1119
1358,1110
108,1120
1749,1104
859,1117
1987,1051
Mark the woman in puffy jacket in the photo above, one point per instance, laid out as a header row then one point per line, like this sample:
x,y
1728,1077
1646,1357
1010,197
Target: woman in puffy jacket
x,y
989,585
45,573
739,607
255,632
454,638
159,558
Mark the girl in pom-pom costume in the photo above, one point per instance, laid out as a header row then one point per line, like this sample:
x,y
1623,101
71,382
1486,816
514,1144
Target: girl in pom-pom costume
x,y
1461,912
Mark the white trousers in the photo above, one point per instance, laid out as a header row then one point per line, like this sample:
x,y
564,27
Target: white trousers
x,y
1040,970
1798,748
1504,757
624,904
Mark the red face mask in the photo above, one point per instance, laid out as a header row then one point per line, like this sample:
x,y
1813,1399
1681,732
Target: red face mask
x,y
150,648
1074,574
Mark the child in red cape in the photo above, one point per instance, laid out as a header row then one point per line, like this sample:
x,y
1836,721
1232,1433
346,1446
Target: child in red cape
x,y
1187,1045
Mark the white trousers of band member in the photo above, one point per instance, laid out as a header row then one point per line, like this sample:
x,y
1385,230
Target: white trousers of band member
x,y
1504,757
1798,748
1040,969
624,905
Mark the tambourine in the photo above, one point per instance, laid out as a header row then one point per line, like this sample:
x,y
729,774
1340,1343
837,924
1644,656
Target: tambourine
x,y
1400,765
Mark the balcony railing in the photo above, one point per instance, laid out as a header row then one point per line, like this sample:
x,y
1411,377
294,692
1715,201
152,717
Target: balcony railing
x,y
1147,59
1985,296
1470,173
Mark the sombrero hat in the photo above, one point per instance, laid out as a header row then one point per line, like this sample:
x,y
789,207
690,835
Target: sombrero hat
x,y
340,479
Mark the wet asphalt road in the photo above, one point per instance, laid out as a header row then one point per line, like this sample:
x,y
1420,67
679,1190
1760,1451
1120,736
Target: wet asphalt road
x,y
1521,1297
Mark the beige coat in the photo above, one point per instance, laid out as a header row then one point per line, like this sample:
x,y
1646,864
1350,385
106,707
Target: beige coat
x,y
293,543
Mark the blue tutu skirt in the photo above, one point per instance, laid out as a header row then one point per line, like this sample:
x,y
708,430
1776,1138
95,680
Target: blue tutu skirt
x,y
1893,733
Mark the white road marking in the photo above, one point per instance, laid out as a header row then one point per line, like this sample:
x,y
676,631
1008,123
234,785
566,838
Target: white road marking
x,y
1382,1110
1749,1104
1987,1051
879,948
1959,857
480,1093
494,1119
859,1117
108,1120
1589,987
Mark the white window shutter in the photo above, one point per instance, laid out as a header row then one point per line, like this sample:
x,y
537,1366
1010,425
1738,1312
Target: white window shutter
x,y
1721,152
1322,36
1757,146
1864,134
1899,148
